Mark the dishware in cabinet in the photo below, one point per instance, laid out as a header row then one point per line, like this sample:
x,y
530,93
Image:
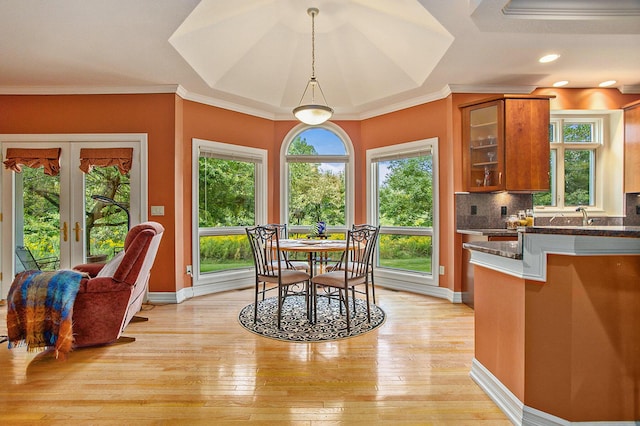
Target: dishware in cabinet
x,y
483,136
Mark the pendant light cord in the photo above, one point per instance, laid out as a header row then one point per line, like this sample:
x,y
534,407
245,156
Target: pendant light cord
x,y
313,43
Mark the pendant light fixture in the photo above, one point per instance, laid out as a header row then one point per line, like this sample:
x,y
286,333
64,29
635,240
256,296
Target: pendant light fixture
x,y
315,112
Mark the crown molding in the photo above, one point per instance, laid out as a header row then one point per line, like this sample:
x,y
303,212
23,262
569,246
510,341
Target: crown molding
x,y
278,116
630,89
435,96
232,106
488,88
88,90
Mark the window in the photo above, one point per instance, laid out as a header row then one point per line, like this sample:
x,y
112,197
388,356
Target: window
x,y
316,178
229,194
403,199
576,144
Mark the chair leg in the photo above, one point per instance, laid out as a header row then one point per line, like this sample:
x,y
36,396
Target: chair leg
x,y
366,291
311,303
281,297
353,298
255,307
314,295
346,308
373,289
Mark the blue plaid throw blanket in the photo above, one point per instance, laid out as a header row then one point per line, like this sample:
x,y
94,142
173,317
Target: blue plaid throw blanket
x,y
40,308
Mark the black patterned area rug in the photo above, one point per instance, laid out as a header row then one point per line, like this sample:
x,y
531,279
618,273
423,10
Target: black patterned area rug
x,y
330,325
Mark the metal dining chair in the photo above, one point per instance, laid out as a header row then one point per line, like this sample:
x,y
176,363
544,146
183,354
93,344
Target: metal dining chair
x,y
284,234
352,272
372,256
270,269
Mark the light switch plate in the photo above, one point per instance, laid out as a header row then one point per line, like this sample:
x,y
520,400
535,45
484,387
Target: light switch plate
x,y
157,210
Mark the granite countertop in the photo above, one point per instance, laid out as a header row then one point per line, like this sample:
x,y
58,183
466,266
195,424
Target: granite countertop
x,y
489,232
508,249
511,249
596,231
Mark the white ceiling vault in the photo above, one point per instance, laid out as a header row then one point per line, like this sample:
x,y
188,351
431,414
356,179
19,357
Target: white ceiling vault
x,y
372,56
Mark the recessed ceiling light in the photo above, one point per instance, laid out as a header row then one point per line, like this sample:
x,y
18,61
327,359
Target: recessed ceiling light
x,y
560,83
548,58
607,83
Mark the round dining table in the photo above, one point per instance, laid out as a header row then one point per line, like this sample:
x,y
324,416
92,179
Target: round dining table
x,y
313,247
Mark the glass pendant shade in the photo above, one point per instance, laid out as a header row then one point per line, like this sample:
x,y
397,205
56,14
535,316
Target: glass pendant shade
x,y
313,112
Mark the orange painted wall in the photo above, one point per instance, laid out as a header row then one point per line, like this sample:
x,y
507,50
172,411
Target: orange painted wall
x,y
220,125
583,339
422,122
500,327
153,114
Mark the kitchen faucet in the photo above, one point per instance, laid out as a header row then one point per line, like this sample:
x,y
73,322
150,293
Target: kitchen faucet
x,y
585,218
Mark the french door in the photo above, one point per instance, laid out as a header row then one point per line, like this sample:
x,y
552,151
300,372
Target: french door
x,y
57,216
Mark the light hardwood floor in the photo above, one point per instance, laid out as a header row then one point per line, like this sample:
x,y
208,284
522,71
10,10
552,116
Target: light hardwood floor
x,y
193,363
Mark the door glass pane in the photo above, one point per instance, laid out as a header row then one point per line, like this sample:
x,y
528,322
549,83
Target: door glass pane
x,y
106,218
37,218
578,177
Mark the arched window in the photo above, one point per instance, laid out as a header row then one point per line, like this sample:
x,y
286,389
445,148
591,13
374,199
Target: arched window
x,y
317,178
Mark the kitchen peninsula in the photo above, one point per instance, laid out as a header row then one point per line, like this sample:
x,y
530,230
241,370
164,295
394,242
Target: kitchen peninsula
x,y
557,324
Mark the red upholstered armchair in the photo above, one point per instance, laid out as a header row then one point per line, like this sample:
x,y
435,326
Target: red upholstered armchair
x,y
108,300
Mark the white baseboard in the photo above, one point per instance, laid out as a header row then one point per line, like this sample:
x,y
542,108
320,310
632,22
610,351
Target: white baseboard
x,y
510,405
517,412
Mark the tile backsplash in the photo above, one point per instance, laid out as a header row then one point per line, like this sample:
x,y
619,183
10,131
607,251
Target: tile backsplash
x,y
632,217
483,211
487,208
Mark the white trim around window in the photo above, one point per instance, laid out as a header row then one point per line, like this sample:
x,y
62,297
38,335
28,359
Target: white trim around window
x,y
238,278
349,170
608,146
405,280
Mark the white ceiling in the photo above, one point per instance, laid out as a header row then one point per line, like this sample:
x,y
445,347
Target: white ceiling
x,y
372,56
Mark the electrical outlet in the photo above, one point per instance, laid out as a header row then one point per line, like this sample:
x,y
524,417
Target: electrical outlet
x,y
503,210
474,210
441,270
189,270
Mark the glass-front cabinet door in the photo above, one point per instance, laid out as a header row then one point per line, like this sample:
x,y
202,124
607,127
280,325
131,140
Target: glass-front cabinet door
x,y
484,147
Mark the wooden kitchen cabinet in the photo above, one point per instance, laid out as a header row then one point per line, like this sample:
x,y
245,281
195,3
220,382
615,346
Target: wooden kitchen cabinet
x,y
632,147
506,143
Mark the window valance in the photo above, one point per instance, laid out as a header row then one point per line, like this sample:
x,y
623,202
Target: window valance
x,y
105,157
49,158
